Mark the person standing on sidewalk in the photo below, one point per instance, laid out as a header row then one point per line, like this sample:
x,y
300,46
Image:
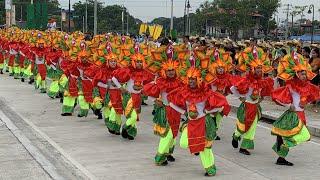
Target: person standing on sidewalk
x,y
290,128
251,90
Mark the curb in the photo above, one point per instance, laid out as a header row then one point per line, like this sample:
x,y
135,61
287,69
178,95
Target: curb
x,y
80,171
266,116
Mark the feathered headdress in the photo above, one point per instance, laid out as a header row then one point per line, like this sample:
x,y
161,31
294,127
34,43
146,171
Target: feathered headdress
x,y
253,57
293,63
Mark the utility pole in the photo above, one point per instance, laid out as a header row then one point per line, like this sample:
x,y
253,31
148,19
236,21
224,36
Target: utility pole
x,y
188,16
127,23
95,17
86,20
287,21
122,19
184,18
69,17
171,22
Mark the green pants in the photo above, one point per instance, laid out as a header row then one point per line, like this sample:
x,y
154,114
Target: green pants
x,y
16,72
248,137
10,70
112,119
53,89
1,66
206,156
63,81
131,124
288,142
219,119
84,106
40,84
68,104
166,147
27,73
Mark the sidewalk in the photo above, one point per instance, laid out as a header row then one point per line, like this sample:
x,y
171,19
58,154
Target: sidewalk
x,y
15,160
271,112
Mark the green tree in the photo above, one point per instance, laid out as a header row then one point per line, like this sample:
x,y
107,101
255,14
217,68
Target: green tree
x,y
109,18
2,13
238,14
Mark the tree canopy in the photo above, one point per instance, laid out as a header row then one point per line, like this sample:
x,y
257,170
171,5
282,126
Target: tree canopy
x,y
109,17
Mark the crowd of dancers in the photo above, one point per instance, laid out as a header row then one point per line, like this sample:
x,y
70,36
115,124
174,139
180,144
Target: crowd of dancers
x,y
187,82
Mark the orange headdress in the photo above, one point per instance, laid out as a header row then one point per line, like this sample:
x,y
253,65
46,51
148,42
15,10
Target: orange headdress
x,y
137,57
220,59
293,63
253,57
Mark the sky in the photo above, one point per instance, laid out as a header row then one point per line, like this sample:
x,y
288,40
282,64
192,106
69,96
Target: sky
x,y
146,10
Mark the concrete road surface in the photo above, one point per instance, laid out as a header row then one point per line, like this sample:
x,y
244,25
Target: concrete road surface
x,y
81,148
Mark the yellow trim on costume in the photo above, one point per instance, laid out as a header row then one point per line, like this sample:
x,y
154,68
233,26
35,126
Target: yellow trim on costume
x,y
129,107
208,144
287,133
159,129
241,126
196,144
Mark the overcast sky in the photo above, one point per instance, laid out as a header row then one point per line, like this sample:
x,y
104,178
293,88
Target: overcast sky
x,y
146,10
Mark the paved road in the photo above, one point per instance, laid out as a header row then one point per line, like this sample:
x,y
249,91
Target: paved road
x,y
15,161
88,149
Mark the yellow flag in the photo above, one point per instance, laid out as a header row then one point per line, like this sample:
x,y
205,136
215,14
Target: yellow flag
x,y
151,30
143,29
158,31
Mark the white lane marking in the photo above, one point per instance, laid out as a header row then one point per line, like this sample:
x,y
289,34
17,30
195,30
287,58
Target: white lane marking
x,y
264,127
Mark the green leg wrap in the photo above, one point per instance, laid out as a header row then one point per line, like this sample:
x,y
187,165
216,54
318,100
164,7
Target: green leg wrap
x,y
68,104
218,120
43,86
131,124
165,142
84,106
184,143
97,104
10,70
106,114
53,89
207,159
172,145
160,158
283,152
16,72
289,142
114,122
237,135
63,81
37,81
248,137
302,136
1,66
27,72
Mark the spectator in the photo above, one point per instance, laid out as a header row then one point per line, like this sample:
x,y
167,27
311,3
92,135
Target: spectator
x,y
306,52
315,65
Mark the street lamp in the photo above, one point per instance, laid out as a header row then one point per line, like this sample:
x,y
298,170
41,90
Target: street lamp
x,y
188,17
186,20
312,29
171,20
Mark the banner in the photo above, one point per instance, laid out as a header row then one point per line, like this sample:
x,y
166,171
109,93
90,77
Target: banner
x,y
143,29
157,32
